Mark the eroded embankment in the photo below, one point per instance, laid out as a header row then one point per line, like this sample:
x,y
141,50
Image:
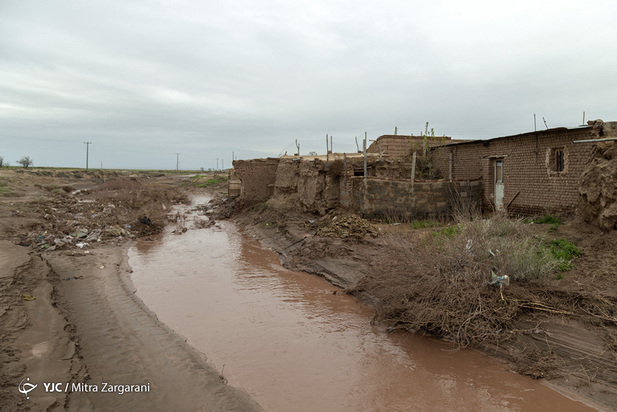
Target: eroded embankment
x,y
559,330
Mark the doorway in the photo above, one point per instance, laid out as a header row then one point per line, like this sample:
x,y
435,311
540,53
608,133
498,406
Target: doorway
x,y
499,185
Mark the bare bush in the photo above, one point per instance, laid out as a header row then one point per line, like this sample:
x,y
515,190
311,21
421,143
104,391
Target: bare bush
x,y
445,284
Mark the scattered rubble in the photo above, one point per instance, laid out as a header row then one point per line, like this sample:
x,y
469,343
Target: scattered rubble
x,y
352,226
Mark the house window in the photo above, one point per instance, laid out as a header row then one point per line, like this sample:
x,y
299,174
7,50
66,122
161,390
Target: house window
x,y
559,156
556,161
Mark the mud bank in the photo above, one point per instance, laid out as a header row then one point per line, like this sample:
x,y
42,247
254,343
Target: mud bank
x,y
580,364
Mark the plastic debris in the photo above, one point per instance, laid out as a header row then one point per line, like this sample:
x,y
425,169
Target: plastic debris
x,y
80,233
29,297
499,280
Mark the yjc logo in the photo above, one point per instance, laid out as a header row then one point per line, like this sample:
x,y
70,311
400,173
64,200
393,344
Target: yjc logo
x,y
26,387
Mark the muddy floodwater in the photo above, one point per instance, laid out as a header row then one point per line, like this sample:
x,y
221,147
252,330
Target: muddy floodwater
x,y
293,343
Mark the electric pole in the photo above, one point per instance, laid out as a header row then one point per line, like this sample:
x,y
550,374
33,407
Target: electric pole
x,y
177,161
217,163
87,147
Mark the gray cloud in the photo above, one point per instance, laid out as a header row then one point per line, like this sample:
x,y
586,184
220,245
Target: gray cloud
x,y
146,79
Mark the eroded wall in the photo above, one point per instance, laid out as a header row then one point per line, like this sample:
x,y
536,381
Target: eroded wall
x,y
310,185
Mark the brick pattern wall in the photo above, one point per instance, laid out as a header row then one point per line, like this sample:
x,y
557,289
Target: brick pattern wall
x,y
399,146
531,183
257,179
388,198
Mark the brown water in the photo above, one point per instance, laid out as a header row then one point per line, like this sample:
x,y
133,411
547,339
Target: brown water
x,y
293,344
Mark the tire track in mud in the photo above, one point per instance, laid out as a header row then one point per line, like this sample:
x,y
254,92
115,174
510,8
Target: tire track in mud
x,y
121,342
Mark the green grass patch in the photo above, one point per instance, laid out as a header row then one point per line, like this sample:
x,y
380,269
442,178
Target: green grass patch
x,y
448,232
421,224
564,251
548,220
214,180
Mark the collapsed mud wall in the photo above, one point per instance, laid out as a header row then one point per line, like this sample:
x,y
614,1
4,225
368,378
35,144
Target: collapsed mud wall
x,y
308,185
598,187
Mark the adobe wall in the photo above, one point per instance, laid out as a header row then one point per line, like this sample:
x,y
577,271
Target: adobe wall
x,y
531,183
310,185
256,178
431,199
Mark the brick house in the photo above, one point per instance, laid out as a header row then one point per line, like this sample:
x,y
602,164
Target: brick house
x,y
529,173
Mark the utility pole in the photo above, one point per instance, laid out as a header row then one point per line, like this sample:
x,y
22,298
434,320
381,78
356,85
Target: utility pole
x,y
223,164
217,163
87,147
177,161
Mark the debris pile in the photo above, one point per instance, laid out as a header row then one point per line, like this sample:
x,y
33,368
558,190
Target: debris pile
x,y
116,209
352,226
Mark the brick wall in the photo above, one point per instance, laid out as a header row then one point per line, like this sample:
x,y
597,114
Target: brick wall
x,y
390,198
531,183
399,146
257,179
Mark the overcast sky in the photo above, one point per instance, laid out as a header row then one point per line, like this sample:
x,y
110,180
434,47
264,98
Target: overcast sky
x,y
143,79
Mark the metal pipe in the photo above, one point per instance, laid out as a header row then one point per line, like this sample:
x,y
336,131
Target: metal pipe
x,y
608,139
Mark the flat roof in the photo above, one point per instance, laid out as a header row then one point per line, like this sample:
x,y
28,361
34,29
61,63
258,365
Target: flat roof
x,y
540,132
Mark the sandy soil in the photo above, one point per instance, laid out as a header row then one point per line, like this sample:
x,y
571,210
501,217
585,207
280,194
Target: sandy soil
x,y
70,315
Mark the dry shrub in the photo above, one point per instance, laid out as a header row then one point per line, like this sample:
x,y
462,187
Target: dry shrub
x,y
441,285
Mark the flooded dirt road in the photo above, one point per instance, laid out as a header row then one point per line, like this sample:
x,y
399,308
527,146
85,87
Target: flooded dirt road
x,y
291,342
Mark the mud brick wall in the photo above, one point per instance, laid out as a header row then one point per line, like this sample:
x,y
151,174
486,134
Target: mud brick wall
x,y
257,178
399,146
388,198
532,185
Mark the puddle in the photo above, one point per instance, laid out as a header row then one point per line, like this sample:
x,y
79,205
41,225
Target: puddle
x,y
293,344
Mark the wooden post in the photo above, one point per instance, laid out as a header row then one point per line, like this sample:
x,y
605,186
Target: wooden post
x,y
344,170
331,151
413,169
365,161
327,151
